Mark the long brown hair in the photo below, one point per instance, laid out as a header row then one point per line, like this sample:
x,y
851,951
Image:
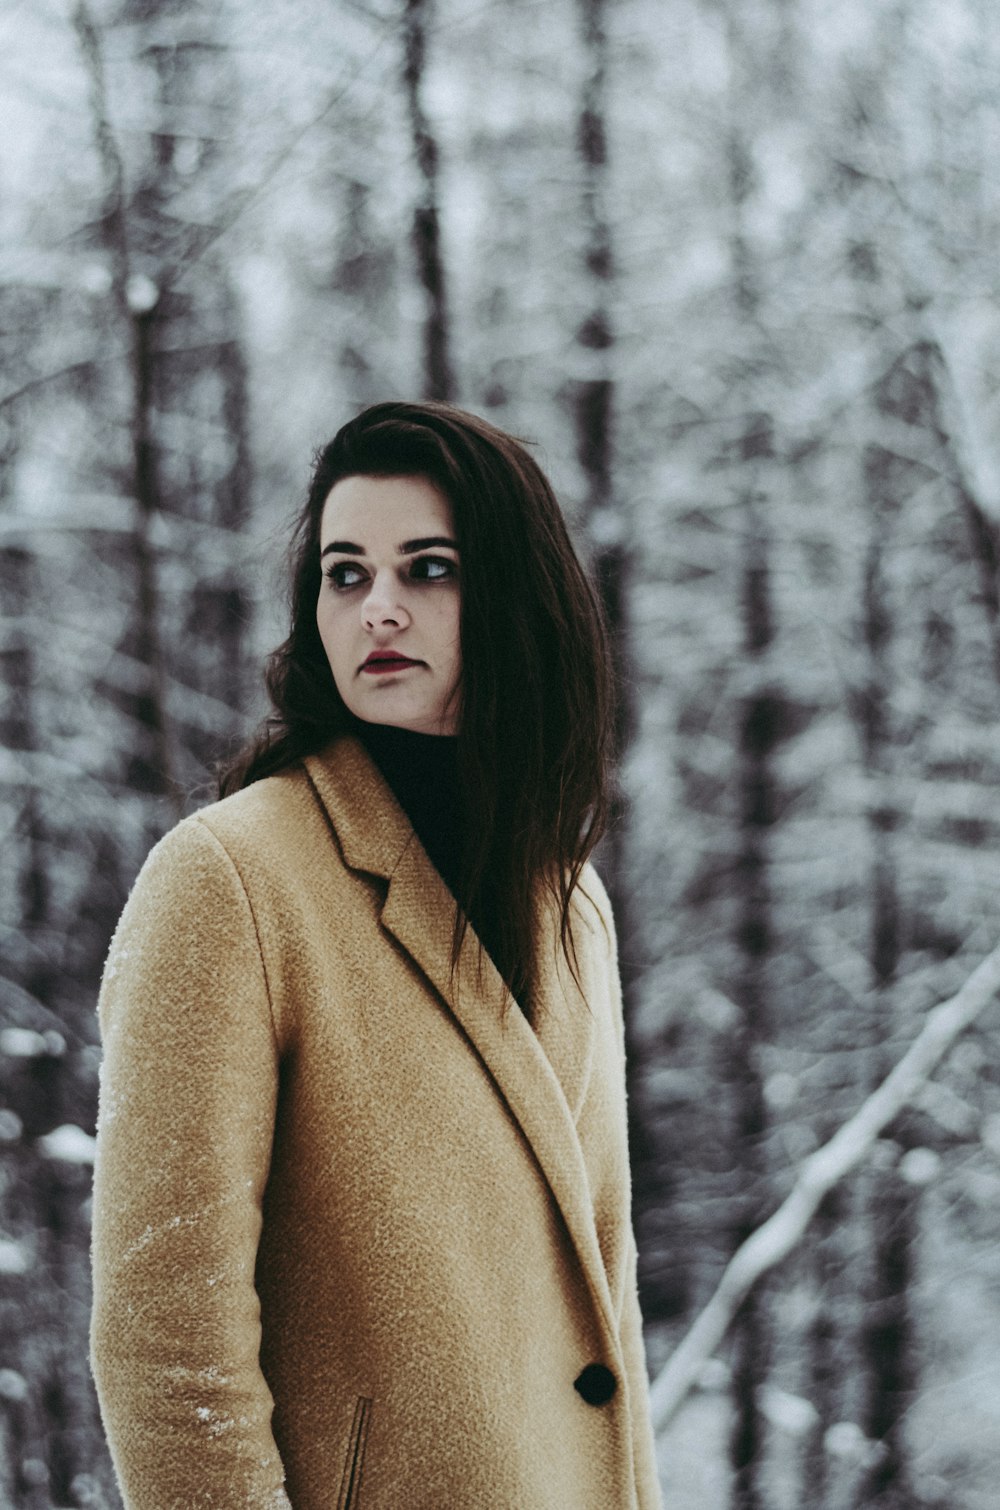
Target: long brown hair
x,y
534,741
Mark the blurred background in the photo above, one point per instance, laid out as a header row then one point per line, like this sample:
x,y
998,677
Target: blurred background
x,y
732,266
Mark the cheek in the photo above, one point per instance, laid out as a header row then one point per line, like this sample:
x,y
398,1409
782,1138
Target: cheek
x,y
330,630
323,623
447,622
453,635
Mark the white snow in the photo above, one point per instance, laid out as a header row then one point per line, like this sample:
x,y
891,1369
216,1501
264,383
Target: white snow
x,y
13,1259
68,1143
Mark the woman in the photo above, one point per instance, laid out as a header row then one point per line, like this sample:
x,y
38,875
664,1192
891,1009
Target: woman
x,y
361,1221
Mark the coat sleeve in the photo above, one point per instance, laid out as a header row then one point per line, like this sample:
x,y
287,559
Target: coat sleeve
x,y
634,1353
630,1321
188,1095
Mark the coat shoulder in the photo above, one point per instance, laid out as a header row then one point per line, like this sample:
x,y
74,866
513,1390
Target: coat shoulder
x,y
264,833
594,904
270,811
278,836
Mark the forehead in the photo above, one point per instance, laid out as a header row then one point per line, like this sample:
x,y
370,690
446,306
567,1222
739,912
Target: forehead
x,y
379,512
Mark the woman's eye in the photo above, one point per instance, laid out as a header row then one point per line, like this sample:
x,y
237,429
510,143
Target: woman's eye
x,y
344,574
432,568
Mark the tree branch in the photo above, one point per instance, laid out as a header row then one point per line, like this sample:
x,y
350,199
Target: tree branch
x,y
780,1234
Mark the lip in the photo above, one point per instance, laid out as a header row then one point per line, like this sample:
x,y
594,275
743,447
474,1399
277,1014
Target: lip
x,y
381,662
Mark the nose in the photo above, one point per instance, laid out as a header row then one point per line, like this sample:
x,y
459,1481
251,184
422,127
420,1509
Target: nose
x,y
381,606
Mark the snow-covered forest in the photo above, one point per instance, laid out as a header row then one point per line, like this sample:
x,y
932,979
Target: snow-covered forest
x,y
732,265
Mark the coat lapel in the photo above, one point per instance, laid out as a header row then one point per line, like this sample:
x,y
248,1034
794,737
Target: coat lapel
x,y
541,1077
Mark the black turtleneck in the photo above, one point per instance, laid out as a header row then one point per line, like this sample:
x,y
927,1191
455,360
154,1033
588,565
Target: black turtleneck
x,y
422,770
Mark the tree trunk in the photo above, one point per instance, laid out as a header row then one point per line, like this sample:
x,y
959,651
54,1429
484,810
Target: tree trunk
x,y
593,398
886,1333
151,768
982,532
760,718
439,380
759,730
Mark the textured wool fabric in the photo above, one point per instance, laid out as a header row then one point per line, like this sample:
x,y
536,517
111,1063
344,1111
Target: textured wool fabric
x,y
357,1232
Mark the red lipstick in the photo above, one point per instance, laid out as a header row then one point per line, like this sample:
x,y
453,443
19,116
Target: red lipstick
x,y
379,662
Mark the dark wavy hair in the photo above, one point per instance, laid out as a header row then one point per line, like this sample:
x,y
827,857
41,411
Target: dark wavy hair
x,y
534,739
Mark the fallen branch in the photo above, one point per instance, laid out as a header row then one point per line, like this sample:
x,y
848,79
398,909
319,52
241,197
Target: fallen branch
x,y
773,1241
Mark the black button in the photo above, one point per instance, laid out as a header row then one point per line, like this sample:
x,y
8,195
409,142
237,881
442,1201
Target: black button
x,y
596,1384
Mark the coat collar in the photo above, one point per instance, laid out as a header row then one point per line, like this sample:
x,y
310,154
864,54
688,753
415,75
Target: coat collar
x,y
541,1076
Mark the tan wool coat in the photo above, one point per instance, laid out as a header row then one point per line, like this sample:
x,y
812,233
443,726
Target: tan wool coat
x,y
361,1241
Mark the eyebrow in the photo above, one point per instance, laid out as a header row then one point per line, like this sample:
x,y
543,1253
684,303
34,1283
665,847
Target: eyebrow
x,y
408,547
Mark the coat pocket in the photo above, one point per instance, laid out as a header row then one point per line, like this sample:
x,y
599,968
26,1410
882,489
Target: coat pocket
x,y
350,1484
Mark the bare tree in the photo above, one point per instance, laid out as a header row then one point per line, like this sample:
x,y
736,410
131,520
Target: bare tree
x,y
759,729
593,400
135,298
439,382
887,1347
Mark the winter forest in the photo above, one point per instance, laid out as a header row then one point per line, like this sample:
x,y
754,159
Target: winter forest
x,y
731,266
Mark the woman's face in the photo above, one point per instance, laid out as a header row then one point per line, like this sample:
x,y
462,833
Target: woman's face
x,y
388,610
